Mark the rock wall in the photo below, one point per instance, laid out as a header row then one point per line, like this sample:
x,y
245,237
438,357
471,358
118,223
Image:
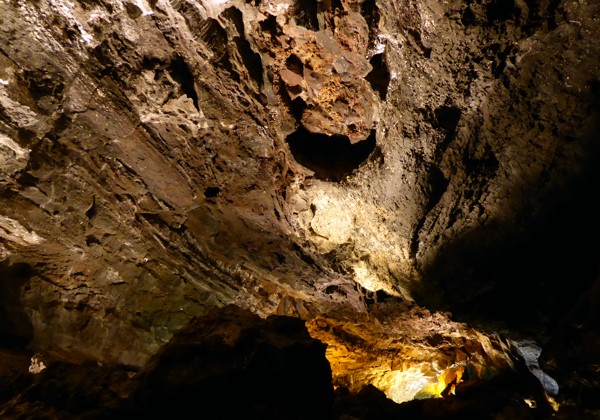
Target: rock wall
x,y
162,158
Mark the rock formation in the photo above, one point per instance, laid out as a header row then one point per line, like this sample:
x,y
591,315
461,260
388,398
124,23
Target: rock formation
x,y
413,179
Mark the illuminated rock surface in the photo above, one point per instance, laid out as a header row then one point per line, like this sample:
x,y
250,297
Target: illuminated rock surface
x,y
365,166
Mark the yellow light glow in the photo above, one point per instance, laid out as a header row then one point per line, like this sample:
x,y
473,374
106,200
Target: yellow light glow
x,y
411,355
402,386
446,381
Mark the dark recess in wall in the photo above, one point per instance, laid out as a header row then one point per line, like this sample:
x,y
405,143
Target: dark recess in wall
x,y
294,64
371,13
332,158
306,14
528,278
379,77
181,73
15,328
250,59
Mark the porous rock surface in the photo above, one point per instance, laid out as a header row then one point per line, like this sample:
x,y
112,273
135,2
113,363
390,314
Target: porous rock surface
x,y
161,158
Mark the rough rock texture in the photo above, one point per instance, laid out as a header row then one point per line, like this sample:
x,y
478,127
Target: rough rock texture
x,y
161,158
232,364
408,353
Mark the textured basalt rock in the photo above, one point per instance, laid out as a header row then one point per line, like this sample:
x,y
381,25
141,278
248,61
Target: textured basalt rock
x,y
233,364
229,364
162,158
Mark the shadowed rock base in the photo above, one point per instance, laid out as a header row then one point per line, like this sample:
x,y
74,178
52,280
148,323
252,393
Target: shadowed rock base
x,y
233,364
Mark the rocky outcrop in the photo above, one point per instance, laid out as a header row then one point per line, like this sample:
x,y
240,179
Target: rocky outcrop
x,y
230,364
233,364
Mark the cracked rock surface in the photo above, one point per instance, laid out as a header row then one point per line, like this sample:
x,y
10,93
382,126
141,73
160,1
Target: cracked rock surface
x,y
159,159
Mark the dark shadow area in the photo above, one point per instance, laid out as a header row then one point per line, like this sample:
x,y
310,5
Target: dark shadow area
x,y
500,10
379,76
16,330
306,14
211,192
527,275
332,158
251,60
372,15
294,64
181,73
215,38
438,185
270,26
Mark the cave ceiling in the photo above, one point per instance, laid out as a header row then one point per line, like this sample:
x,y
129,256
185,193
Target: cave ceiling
x,y
422,160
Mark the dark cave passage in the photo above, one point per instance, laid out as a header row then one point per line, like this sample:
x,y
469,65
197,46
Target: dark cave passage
x,y
332,158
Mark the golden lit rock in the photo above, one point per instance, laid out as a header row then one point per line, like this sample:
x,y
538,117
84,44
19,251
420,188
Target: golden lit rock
x,y
407,354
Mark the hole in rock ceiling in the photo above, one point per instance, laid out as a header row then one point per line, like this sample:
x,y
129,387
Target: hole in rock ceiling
x,y
332,158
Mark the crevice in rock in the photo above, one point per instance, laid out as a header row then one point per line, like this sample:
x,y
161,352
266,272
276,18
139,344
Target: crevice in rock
x,y
332,158
331,5
92,240
237,18
468,17
438,184
91,211
415,39
181,73
379,76
294,64
270,26
370,12
133,11
295,106
302,254
215,38
44,83
437,187
500,10
446,119
376,157
486,166
306,14
498,55
250,59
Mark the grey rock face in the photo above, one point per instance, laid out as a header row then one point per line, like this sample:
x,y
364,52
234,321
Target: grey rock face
x,y
529,352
